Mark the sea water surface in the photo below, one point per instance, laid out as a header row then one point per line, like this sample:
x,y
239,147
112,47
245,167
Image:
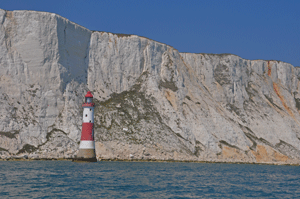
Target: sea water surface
x,y
65,179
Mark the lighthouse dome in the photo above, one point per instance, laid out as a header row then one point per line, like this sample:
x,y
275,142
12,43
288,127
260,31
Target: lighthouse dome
x,y
89,94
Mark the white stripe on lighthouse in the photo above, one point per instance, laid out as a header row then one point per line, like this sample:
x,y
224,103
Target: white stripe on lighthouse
x,y
88,115
85,144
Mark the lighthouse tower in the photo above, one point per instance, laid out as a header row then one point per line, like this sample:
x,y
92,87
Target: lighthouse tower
x,y
87,144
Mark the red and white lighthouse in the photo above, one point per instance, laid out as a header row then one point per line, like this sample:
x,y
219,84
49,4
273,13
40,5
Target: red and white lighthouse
x,y
87,144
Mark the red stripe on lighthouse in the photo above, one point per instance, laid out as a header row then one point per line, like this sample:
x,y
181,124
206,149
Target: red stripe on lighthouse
x,y
87,131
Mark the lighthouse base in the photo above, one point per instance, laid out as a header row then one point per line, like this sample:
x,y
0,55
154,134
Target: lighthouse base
x,y
85,155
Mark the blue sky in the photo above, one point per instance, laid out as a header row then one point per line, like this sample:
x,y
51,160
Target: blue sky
x,y
268,30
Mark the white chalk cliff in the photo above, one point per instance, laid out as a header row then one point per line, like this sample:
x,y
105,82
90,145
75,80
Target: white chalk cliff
x,y
152,102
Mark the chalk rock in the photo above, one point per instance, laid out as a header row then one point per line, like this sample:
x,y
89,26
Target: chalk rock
x,y
149,97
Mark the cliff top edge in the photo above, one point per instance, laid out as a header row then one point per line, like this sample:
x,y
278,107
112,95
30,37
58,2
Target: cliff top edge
x,y
122,35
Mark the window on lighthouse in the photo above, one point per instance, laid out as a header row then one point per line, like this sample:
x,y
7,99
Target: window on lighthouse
x,y
88,100
85,115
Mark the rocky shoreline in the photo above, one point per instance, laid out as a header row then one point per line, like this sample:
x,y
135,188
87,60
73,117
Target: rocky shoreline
x,y
147,160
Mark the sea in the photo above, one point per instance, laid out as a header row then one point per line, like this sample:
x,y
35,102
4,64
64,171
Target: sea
x,y
66,179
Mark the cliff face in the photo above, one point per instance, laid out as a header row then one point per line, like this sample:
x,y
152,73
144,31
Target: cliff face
x,y
152,102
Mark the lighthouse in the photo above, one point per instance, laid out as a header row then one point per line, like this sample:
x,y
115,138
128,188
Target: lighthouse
x,y
87,144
